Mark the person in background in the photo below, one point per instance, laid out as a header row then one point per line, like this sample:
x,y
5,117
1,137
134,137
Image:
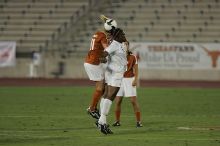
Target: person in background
x,y
34,64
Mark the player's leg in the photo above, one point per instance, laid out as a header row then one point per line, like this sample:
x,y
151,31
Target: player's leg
x,y
103,97
118,101
136,110
107,102
99,89
114,83
113,87
131,92
95,73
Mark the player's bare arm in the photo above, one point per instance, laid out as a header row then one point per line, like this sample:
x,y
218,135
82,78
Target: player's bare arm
x,y
134,83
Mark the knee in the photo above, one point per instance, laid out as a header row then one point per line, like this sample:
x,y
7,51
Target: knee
x,y
100,89
118,103
133,101
100,86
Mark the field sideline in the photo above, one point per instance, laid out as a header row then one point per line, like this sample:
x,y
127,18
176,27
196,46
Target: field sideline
x,y
55,116
44,82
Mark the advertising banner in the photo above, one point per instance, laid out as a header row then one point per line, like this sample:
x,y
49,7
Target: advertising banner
x,y
7,54
177,55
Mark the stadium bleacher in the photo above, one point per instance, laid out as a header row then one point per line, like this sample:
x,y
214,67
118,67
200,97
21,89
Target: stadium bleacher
x,y
32,23
155,21
36,24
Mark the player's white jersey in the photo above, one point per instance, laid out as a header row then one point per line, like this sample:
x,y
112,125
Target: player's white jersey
x,y
117,60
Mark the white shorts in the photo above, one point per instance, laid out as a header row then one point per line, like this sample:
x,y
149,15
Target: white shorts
x,y
126,89
113,78
95,72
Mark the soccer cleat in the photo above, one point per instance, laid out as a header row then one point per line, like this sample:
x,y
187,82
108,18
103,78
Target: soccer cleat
x,y
139,125
103,128
95,114
117,123
109,131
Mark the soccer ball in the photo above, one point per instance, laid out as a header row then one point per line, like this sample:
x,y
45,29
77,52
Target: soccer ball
x,y
110,24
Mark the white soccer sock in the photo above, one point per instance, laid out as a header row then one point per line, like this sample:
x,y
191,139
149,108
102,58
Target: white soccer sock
x,y
105,110
106,106
101,105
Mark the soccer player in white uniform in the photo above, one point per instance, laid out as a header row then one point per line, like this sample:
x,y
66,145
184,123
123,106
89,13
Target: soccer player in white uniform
x,y
116,66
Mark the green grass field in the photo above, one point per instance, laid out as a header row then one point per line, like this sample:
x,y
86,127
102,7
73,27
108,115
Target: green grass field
x,y
56,116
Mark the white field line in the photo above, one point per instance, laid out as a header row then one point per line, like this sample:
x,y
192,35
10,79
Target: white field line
x,y
32,136
168,137
200,128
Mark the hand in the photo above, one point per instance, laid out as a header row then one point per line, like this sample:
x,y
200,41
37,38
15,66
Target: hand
x,y
103,59
134,83
103,17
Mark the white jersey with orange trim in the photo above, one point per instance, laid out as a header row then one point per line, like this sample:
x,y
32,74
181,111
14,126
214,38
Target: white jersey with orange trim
x,y
117,60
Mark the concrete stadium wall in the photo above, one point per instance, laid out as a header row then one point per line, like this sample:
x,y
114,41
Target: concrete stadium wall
x,y
74,69
20,70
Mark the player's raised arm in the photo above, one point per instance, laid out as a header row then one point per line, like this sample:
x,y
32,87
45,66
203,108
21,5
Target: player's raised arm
x,y
103,18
